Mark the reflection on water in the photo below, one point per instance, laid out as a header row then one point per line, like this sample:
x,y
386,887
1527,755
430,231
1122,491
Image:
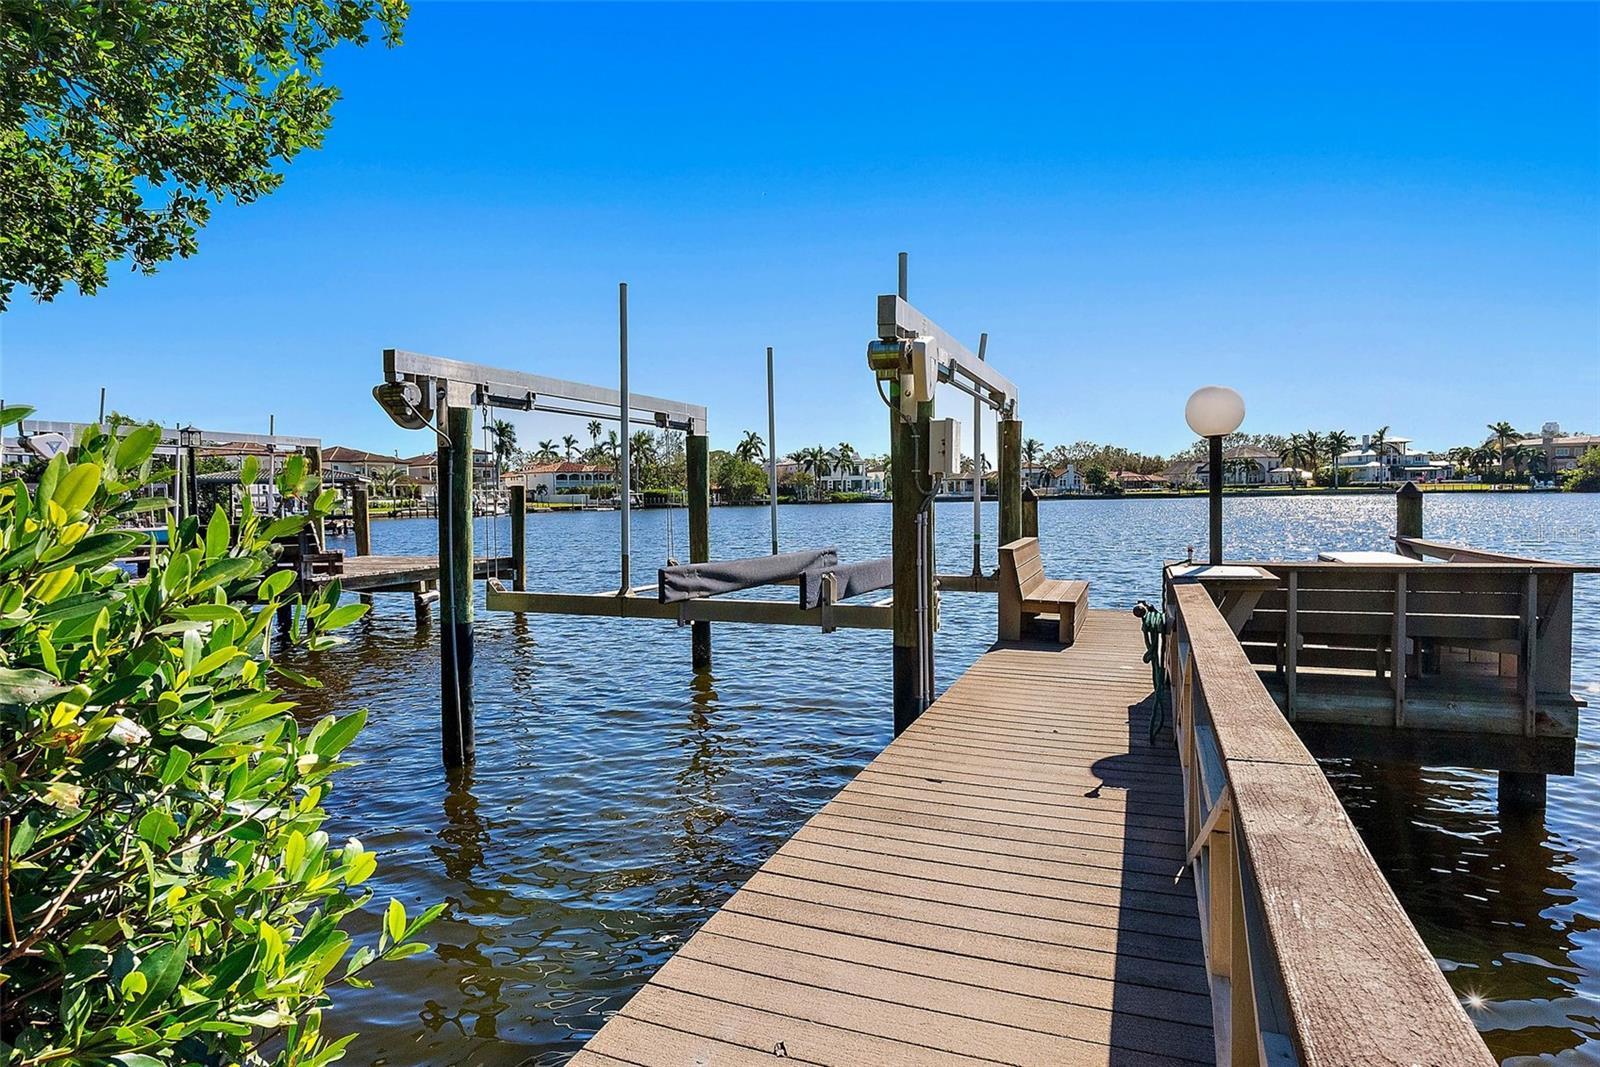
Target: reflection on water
x,y
620,796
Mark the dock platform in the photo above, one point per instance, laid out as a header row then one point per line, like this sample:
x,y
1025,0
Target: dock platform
x,y
1004,883
380,574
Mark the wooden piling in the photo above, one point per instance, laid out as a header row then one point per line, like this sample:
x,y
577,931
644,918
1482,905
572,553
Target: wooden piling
x,y
455,589
697,456
911,547
519,537
361,516
1030,512
1408,511
1010,480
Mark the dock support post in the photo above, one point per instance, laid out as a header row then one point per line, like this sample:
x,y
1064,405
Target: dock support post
x,y
697,456
1030,512
455,588
1010,480
1408,511
519,537
1521,793
911,541
313,456
361,517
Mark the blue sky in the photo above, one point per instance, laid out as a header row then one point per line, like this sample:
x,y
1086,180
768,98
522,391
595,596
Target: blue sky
x,y
1356,215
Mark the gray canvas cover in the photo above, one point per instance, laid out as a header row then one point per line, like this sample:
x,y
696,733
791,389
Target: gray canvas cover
x,y
690,581
854,579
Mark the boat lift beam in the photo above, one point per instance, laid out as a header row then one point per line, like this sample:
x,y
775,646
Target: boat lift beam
x,y
899,321
475,385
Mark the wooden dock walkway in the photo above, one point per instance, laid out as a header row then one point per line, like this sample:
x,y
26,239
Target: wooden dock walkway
x,y
1003,884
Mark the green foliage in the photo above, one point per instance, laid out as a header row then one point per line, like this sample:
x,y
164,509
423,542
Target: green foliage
x,y
170,896
739,480
1097,478
1585,477
123,122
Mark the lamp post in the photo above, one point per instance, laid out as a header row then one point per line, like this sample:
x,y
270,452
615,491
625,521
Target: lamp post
x,y
1213,412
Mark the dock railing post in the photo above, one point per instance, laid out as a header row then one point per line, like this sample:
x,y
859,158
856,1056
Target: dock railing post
x,y
1010,480
361,518
455,588
519,537
698,469
1030,512
911,548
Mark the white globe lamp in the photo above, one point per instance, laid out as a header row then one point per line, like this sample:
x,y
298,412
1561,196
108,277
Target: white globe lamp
x,y
1213,412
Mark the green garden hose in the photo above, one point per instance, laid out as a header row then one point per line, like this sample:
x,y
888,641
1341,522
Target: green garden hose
x,y
1153,624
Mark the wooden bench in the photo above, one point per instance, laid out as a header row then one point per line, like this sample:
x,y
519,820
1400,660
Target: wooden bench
x,y
1026,593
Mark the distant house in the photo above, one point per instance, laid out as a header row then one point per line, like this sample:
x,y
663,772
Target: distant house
x,y
1054,481
1241,465
1562,451
1397,463
853,478
1183,472
360,462
424,470
1135,480
563,478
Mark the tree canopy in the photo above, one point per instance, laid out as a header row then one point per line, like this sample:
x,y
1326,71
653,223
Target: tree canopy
x,y
121,123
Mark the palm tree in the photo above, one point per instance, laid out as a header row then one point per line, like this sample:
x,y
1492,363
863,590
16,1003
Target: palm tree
x,y
1336,443
1032,449
751,448
547,452
845,458
1313,452
815,461
504,436
1381,448
1503,434
641,452
569,445
1292,454
595,429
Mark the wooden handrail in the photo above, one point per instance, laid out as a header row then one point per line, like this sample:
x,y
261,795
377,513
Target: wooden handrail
x,y
1313,961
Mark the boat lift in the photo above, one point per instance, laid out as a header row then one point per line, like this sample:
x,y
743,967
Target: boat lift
x,y
420,391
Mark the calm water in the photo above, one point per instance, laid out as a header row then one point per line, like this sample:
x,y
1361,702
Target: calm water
x,y
619,798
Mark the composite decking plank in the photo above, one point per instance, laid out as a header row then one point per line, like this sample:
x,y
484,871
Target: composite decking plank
x,y
1051,869
1004,883
979,944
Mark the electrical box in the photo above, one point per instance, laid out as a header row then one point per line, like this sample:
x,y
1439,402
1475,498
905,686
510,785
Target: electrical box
x,y
944,447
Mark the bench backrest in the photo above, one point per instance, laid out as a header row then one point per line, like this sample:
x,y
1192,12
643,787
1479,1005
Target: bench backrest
x,y
1021,566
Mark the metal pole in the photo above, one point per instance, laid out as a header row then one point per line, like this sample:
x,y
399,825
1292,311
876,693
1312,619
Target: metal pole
x,y
102,405
772,452
625,458
977,468
1216,500
904,257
